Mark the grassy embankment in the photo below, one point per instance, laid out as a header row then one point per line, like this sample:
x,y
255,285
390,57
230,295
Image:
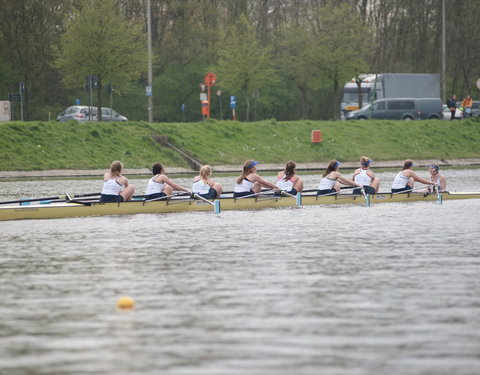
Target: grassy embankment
x,y
52,145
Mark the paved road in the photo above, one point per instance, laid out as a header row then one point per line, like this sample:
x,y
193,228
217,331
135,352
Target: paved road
x,y
232,168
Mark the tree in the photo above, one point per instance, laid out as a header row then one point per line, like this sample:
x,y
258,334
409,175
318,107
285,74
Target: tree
x,y
99,41
293,47
244,67
340,47
28,29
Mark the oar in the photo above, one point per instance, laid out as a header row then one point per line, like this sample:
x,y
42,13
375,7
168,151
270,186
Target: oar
x,y
58,197
409,190
346,187
254,195
203,199
336,192
168,196
298,197
215,203
231,192
288,194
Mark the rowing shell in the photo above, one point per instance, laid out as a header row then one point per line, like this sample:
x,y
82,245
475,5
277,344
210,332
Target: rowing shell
x,y
71,209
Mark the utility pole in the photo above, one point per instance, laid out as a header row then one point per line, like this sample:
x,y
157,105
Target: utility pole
x,y
444,58
149,90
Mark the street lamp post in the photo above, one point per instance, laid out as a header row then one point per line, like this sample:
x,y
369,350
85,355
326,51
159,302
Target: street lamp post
x,y
444,58
150,78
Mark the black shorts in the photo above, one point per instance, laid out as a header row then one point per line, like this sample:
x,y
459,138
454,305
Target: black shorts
x,y
291,192
326,191
107,198
406,189
212,194
243,194
155,196
368,190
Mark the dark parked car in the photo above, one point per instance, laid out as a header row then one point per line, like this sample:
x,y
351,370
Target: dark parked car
x,y
400,109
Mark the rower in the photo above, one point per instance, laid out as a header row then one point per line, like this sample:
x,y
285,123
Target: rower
x,y
365,177
288,181
405,179
204,186
437,178
249,182
160,187
115,186
331,179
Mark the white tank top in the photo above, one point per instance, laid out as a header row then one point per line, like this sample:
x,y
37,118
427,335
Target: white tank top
x,y
284,185
154,187
437,181
326,183
200,187
400,181
363,178
244,186
111,187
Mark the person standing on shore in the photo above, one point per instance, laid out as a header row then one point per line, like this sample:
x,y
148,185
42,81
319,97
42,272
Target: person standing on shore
x,y
452,104
405,179
364,176
115,186
467,106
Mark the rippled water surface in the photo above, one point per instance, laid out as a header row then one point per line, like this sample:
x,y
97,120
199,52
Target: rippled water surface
x,y
387,289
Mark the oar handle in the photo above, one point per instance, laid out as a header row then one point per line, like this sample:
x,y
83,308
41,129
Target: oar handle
x,y
288,194
203,199
63,197
169,196
346,187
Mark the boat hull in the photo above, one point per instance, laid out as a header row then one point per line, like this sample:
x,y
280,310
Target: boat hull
x,y
66,209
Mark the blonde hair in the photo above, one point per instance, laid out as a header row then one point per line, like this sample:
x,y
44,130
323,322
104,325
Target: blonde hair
x,y
116,168
246,171
205,172
365,161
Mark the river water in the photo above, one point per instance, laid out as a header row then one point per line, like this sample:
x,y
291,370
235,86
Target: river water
x,y
387,289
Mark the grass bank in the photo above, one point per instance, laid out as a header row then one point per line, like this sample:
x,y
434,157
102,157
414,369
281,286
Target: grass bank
x,y
52,145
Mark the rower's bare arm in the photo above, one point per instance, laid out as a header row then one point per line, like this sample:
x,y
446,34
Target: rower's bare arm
x,y
443,183
174,185
123,181
266,183
421,180
347,181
